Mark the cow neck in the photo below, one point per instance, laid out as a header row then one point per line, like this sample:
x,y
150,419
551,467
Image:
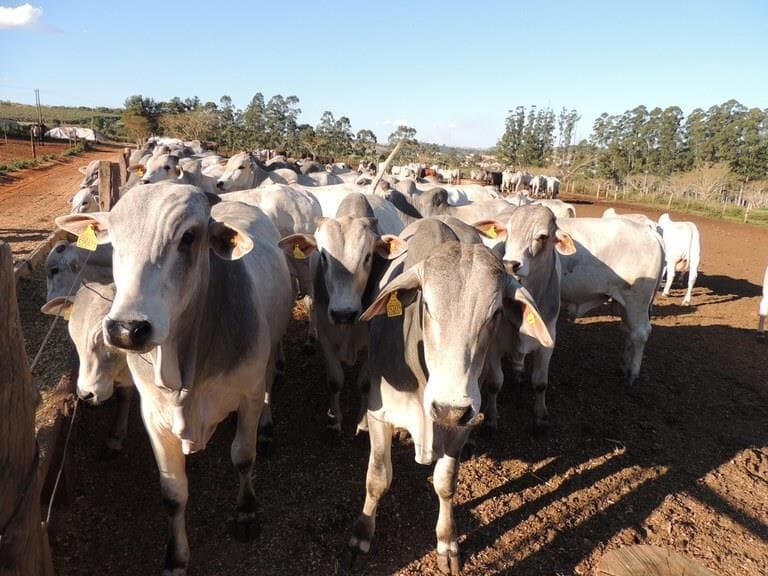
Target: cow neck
x,y
543,283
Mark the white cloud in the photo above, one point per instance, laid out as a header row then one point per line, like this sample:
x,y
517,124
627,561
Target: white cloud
x,y
24,16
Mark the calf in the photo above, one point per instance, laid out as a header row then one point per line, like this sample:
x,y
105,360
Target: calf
x,y
202,300
763,310
430,330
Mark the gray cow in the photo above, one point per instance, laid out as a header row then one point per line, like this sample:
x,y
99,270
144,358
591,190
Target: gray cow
x,y
343,250
201,304
533,243
103,369
426,356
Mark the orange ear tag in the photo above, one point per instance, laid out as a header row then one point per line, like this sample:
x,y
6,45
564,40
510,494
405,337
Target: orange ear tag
x,y
394,306
87,240
298,253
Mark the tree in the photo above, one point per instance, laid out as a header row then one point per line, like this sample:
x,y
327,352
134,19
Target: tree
x,y
365,143
281,123
409,149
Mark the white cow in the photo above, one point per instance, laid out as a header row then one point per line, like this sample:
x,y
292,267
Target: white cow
x,y
202,301
66,261
559,208
763,309
618,259
683,252
553,186
639,218
538,185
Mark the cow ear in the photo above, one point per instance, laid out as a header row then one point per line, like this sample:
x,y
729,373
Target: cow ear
x,y
77,224
228,242
137,168
389,246
179,172
491,229
520,308
564,243
59,306
395,295
298,246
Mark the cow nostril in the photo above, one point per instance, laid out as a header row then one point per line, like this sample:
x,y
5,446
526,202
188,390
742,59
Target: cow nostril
x,y
512,266
140,330
130,335
344,316
220,185
467,416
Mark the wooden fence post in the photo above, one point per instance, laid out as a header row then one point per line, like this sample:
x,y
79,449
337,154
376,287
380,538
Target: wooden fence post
x,y
109,184
23,550
124,161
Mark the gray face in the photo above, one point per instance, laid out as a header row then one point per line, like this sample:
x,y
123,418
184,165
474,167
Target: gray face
x,y
531,232
159,168
346,247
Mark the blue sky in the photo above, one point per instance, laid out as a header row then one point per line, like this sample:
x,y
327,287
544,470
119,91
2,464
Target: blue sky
x,y
452,70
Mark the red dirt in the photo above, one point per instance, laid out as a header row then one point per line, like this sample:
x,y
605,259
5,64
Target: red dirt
x,y
15,149
679,460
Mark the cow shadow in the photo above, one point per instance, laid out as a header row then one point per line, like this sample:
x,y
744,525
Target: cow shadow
x,y
656,437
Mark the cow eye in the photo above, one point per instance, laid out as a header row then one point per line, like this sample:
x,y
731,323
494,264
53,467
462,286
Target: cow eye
x,y
54,271
166,168
186,240
242,167
543,237
367,258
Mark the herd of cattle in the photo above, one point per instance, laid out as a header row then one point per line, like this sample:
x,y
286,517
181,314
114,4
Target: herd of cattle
x,y
186,293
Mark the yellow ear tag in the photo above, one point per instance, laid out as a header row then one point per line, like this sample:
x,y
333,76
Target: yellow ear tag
x,y
530,318
394,306
87,240
66,313
491,232
298,253
140,173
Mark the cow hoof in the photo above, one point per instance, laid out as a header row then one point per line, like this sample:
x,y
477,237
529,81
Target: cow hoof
x,y
107,453
354,560
244,527
449,563
469,449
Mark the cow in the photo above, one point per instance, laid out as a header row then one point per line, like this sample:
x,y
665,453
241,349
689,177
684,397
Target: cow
x,y
763,308
553,186
85,200
202,300
538,185
343,250
639,218
559,208
180,170
242,172
67,265
615,259
102,369
683,252
430,330
532,245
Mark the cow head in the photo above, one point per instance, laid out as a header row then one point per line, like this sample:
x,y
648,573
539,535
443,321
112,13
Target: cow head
x,y
345,248
464,292
99,364
161,235
242,171
530,233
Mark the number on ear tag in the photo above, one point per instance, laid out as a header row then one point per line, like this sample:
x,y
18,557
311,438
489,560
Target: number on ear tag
x,y
87,240
394,306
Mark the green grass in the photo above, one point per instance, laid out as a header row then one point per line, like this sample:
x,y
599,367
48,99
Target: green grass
x,y
16,165
108,120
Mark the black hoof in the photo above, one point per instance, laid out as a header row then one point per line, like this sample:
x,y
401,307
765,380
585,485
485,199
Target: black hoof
x,y
107,454
760,337
353,560
449,563
244,527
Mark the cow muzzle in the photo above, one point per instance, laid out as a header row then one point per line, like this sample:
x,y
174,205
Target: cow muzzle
x,y
344,316
450,416
131,335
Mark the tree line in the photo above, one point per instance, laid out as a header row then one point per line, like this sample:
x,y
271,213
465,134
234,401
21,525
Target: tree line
x,y
659,141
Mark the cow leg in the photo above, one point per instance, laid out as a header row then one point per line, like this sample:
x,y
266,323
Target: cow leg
x,y
445,478
763,311
173,486
540,381
377,482
275,376
119,430
638,326
670,273
363,385
335,380
243,453
692,273
493,382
